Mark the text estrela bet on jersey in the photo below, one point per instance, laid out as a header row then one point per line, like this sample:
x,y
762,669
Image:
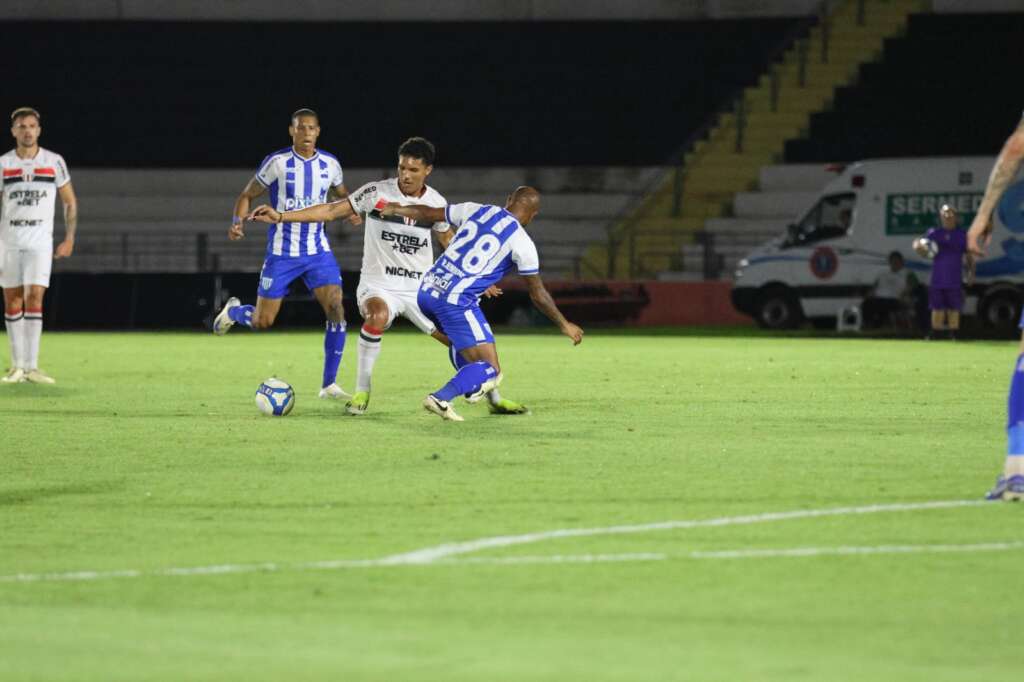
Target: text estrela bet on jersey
x,y
29,196
396,250
295,183
488,242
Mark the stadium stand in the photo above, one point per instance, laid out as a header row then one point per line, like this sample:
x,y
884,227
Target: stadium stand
x,y
748,134
919,99
125,94
173,220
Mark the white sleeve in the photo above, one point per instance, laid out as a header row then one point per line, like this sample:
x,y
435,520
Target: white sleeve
x,y
524,254
267,172
63,177
456,214
339,175
364,199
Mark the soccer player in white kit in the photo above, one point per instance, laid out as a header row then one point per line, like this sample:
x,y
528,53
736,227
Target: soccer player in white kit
x,y
32,179
396,254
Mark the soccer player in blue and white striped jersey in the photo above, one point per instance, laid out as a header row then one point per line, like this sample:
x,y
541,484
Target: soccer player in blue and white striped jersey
x,y
295,177
490,242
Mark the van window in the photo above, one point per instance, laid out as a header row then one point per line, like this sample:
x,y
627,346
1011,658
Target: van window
x,y
830,218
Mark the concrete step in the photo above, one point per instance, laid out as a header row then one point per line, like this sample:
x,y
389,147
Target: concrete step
x,y
786,205
498,182
804,177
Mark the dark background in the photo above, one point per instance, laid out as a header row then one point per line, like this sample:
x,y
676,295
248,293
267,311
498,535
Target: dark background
x,y
152,94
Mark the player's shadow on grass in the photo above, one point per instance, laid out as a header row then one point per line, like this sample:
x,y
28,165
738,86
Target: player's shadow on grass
x,y
16,496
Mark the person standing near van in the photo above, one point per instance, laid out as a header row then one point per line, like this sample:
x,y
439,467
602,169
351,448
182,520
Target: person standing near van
x,y
945,291
1010,485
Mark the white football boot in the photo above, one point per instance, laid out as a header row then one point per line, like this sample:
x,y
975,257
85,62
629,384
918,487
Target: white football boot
x,y
334,391
15,375
485,387
38,376
440,408
222,323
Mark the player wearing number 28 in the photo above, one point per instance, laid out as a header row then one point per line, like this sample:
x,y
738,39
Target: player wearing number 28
x,y
490,241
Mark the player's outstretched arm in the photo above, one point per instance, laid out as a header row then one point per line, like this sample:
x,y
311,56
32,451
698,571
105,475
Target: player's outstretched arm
x,y
251,191
418,212
340,192
320,213
1003,173
70,201
542,299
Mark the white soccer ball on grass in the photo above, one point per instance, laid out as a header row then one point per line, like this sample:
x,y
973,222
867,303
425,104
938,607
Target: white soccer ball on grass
x,y
275,397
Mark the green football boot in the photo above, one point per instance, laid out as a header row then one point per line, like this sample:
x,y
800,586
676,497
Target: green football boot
x,y
505,406
360,401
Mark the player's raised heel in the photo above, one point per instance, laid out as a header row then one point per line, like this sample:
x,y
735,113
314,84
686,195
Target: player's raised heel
x,y
358,404
223,322
1007,489
335,392
15,375
494,382
441,408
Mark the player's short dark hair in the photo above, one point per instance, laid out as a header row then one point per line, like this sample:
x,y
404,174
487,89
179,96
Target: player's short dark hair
x,y
418,148
304,112
22,112
895,254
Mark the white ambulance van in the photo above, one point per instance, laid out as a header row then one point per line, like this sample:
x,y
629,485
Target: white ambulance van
x,y
831,256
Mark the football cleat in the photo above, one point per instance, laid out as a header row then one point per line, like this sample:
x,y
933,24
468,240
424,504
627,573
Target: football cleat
x,y
441,408
15,375
358,403
504,406
491,383
38,376
334,391
1009,489
223,322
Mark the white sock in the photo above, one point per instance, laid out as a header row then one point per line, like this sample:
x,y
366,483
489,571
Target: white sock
x,y
31,332
369,349
493,396
15,322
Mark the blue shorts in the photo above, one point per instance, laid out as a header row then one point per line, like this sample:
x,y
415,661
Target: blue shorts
x,y
466,326
280,271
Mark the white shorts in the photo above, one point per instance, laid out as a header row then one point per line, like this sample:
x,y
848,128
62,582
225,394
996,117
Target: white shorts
x,y
399,303
22,267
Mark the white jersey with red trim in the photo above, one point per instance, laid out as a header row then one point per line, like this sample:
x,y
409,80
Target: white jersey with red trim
x,y
29,197
396,251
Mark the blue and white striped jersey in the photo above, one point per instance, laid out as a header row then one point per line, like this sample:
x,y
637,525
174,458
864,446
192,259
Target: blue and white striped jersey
x,y
295,183
488,243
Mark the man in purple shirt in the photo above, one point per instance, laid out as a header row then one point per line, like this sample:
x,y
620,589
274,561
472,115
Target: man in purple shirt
x,y
945,292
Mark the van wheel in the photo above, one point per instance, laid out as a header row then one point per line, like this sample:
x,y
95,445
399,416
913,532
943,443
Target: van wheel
x,y
1001,310
778,309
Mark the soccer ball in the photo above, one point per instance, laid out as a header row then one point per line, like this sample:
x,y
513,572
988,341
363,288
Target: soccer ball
x,y
928,246
275,397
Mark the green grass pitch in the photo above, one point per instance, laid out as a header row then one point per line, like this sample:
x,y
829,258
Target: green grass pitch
x,y
149,456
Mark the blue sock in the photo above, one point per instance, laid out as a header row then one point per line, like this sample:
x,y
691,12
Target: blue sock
x,y
1015,411
242,314
334,345
466,380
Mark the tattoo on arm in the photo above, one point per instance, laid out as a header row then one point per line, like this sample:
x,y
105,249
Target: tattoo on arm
x,y
1004,172
542,299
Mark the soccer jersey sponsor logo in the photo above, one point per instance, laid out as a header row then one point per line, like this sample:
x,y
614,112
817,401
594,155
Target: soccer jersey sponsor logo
x,y
27,197
25,223
404,243
398,271
297,203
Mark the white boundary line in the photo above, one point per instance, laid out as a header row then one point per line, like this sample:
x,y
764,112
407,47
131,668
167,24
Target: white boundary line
x,y
451,553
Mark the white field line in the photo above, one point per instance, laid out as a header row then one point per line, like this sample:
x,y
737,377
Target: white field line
x,y
431,554
448,553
